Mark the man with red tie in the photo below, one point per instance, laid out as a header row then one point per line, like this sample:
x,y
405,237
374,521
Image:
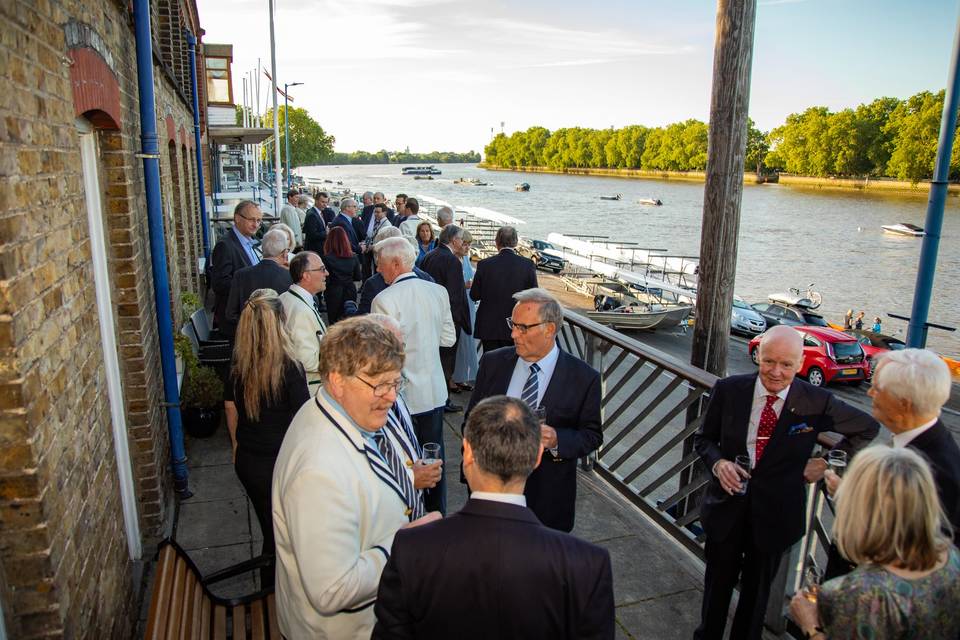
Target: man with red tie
x,y
751,518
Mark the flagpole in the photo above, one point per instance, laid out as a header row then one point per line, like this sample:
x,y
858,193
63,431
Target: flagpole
x,y
276,122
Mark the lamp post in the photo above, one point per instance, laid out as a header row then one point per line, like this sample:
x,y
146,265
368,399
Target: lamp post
x,y
286,125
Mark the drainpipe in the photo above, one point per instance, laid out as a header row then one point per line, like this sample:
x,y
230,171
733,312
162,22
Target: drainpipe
x,y
192,44
150,153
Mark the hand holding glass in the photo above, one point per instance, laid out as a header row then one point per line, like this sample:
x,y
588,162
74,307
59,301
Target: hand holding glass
x,y
431,453
811,583
744,463
837,461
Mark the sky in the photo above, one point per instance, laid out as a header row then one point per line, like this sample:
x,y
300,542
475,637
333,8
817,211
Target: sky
x,y
440,74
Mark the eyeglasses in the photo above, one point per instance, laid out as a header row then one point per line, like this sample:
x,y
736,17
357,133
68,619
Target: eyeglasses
x,y
522,328
257,220
320,269
382,389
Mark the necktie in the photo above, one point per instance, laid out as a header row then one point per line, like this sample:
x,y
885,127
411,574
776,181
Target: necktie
x,y
531,388
768,420
414,504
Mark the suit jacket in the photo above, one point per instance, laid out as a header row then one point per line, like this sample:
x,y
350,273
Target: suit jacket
x,y
354,228
228,257
941,451
336,508
265,275
306,329
375,284
773,506
447,271
290,217
496,280
328,215
514,579
423,312
314,231
572,401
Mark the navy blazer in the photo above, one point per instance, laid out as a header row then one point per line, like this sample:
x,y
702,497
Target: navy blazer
x,y
941,451
314,231
572,401
496,280
447,271
773,506
354,229
514,579
265,275
228,257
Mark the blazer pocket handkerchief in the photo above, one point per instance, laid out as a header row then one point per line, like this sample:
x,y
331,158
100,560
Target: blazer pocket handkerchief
x,y
803,427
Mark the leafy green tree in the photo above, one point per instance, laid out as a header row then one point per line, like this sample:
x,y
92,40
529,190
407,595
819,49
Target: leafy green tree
x,y
914,126
309,143
757,148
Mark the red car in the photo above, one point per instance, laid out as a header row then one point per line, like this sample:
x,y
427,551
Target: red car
x,y
828,356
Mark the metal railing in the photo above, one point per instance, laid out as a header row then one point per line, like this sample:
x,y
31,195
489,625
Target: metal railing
x,y
652,404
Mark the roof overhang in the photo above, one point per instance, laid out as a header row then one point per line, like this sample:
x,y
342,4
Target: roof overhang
x,y
238,135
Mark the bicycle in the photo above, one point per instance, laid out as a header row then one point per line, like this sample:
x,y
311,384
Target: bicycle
x,y
810,294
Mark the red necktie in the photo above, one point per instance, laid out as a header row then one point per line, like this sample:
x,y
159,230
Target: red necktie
x,y
768,420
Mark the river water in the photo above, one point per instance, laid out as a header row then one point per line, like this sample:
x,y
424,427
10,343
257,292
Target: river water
x,y
788,236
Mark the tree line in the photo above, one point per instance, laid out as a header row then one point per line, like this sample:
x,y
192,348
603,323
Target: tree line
x,y
398,157
888,137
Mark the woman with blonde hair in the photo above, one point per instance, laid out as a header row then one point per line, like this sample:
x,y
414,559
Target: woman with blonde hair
x,y
907,582
267,386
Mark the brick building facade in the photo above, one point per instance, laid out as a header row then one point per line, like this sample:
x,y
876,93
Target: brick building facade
x,y
70,80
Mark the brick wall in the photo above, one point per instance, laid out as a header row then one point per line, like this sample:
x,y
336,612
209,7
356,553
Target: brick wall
x,y
64,564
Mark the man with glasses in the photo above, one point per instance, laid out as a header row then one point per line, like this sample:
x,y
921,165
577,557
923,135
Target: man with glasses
x,y
234,251
422,310
565,388
302,312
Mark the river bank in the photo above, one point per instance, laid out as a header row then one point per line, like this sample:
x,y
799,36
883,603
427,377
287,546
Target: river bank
x,y
878,185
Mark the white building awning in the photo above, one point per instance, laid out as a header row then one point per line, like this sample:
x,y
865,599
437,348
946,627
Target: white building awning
x,y
238,135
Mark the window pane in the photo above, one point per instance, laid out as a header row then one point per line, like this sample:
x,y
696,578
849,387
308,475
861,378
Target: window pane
x,y
216,73
216,63
218,90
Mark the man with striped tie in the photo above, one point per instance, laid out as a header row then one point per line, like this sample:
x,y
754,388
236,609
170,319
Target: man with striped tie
x,y
753,517
565,388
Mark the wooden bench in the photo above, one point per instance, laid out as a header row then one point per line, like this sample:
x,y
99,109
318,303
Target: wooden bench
x,y
182,607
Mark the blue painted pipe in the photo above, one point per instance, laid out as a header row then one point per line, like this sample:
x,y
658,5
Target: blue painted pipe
x,y
192,44
150,152
917,329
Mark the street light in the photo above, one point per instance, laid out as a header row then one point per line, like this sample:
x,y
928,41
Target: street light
x,y
286,125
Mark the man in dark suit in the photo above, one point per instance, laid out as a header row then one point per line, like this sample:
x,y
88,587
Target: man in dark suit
x,y
315,224
347,218
233,252
366,213
446,269
269,273
514,578
538,372
496,280
404,213
752,517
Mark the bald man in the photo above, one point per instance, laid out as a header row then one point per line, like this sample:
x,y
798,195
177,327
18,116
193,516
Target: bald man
x,y
753,517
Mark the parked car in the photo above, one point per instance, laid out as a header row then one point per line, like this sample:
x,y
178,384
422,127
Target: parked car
x,y
876,343
543,254
746,320
776,313
828,356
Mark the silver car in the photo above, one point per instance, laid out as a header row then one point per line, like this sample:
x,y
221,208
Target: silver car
x,y
745,319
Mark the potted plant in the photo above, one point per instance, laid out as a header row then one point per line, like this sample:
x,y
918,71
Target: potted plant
x,y
201,401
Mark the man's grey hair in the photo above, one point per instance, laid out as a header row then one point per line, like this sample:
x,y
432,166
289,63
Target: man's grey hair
x,y
917,375
550,309
345,202
444,216
303,201
380,193
367,194
388,231
292,241
387,322
275,243
392,248
507,237
504,436
449,233
242,206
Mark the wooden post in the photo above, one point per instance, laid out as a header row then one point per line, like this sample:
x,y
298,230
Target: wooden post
x,y
729,103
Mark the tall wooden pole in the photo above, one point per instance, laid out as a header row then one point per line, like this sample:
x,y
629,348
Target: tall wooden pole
x,y
733,53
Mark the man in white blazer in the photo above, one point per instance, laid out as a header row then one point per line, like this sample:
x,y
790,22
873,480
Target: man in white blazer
x,y
302,314
422,309
339,490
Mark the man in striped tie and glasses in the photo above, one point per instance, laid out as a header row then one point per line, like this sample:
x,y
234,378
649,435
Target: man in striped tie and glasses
x,y
753,512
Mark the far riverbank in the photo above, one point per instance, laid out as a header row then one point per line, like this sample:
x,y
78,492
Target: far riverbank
x,y
883,185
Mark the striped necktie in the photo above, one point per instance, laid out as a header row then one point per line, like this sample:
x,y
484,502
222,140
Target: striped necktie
x,y
410,496
531,388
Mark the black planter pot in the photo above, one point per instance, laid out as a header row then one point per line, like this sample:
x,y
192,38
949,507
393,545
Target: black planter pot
x,y
200,422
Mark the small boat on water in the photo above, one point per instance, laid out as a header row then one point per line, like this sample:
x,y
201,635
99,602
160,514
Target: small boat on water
x,y
423,177
656,202
904,229
428,170
471,182
619,196
521,186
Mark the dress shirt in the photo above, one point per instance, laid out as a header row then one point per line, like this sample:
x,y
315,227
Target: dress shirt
x,y
760,394
521,371
247,244
905,438
509,498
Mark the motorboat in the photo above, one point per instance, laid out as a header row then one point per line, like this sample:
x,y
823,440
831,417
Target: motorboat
x,y
904,229
416,177
428,170
655,202
471,182
619,196
632,317
521,186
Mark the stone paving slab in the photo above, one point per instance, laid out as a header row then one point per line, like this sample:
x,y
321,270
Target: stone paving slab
x,y
216,523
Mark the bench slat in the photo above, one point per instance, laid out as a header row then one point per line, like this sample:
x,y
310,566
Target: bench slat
x,y
239,622
272,617
176,599
205,619
219,622
186,619
158,617
196,610
256,620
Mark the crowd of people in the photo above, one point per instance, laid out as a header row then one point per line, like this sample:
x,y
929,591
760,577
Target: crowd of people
x,y
351,328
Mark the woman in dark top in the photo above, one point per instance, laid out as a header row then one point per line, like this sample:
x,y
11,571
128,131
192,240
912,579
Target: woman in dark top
x,y
267,386
343,270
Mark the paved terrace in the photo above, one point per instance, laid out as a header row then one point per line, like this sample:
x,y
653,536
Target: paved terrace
x,y
657,583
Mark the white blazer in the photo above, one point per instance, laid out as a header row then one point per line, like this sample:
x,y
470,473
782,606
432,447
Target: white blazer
x,y
423,311
335,514
306,328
